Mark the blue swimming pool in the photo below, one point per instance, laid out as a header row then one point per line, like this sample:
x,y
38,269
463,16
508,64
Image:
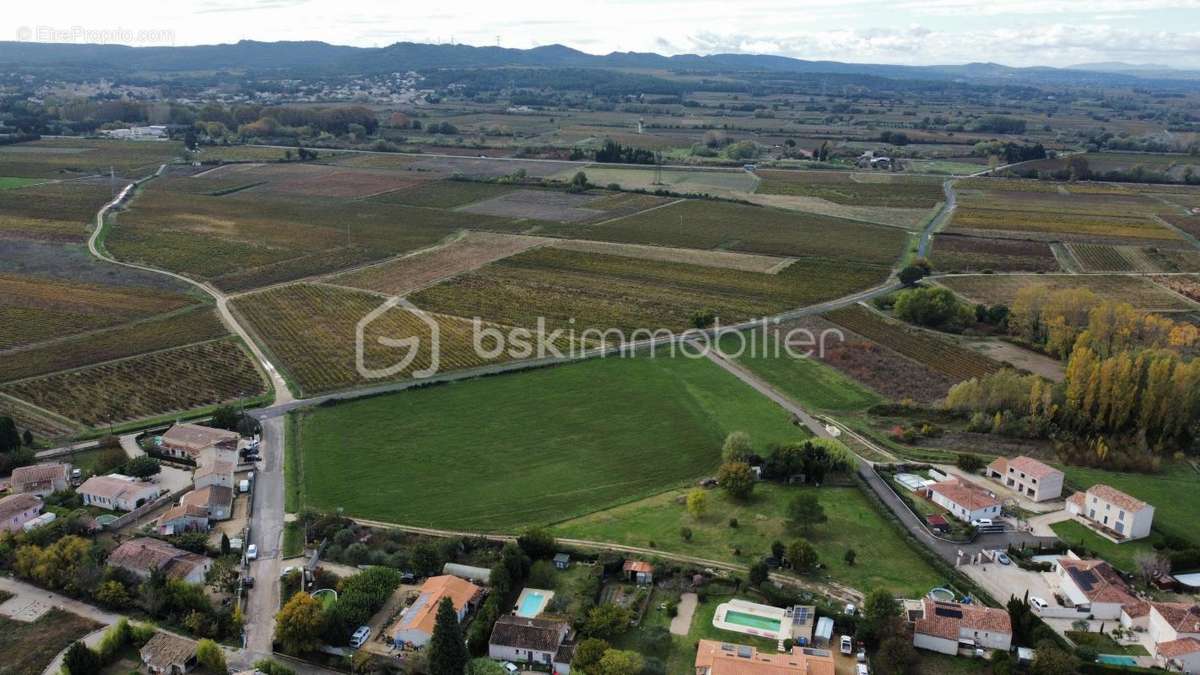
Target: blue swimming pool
x,y
1117,660
531,604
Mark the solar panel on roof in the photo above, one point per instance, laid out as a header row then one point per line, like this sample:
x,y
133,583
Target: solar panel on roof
x,y
947,612
1085,578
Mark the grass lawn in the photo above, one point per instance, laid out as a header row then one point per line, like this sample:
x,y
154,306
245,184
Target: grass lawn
x,y
1174,493
27,648
293,539
1120,556
884,558
807,381
505,452
1104,644
10,182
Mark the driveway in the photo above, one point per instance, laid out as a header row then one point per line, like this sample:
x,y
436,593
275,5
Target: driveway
x,y
266,532
682,623
1040,525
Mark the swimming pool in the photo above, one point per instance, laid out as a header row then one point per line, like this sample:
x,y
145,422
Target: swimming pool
x,y
532,602
1116,660
752,621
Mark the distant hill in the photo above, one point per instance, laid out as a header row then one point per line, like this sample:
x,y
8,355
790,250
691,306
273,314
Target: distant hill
x,y
321,57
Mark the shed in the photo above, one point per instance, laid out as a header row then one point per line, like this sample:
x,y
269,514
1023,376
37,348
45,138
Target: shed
x,y
824,632
468,572
562,561
639,571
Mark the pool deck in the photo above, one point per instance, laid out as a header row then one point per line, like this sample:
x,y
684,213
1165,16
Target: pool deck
x,y
525,602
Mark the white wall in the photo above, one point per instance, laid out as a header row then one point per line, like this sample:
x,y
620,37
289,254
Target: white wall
x,y
935,644
505,653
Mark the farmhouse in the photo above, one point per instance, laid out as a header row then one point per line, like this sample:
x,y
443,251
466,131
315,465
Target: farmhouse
x,y
143,555
1095,586
964,500
638,571
167,654
946,627
1112,513
214,473
190,441
1033,479
116,492
415,625
18,509
723,658
532,641
41,479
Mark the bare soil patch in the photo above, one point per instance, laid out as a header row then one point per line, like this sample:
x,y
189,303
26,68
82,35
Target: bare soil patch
x,y
414,272
1022,358
909,219
538,205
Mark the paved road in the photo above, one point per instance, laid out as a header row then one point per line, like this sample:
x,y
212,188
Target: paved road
x,y
266,532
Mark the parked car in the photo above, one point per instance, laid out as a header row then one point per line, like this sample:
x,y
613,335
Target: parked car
x,y
847,647
850,609
1003,559
1038,602
982,522
360,636
252,552
862,655
861,669
510,667
247,582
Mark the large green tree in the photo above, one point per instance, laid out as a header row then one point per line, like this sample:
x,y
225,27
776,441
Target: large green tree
x,y
805,511
299,624
447,651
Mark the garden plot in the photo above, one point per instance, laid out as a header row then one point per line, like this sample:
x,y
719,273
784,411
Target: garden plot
x,y
538,205
1003,289
957,253
413,272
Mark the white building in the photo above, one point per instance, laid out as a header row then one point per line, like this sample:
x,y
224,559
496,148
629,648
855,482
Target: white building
x,y
17,510
116,492
533,641
946,627
964,500
1112,513
1031,478
1179,655
1093,585
1171,621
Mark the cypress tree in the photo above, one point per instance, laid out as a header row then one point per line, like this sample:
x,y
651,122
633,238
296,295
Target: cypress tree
x,y
447,652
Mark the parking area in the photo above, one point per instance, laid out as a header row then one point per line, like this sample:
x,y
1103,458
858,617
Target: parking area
x,y
1005,581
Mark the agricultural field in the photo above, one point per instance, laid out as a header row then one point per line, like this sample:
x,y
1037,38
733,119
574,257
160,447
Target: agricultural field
x,y
413,272
42,424
1173,165
1189,223
580,290
34,309
445,194
168,381
28,648
1002,289
716,182
909,219
546,205
751,229
1106,258
74,157
313,180
1184,285
921,346
52,211
955,253
309,330
745,262
197,324
622,429
884,559
251,153
888,190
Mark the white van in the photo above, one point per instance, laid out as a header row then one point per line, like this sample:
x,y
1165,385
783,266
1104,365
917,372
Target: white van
x,y
360,636
847,647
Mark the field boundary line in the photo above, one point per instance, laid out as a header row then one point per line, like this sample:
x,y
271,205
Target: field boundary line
x,y
49,414
186,309
636,213
119,359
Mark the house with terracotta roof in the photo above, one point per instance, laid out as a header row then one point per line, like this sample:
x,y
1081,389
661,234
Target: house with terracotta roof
x,y
40,479
18,509
182,518
116,492
190,441
144,555
533,641
1094,585
415,625
1171,621
724,658
947,627
1179,655
214,472
1112,513
638,571
1033,479
167,654
964,499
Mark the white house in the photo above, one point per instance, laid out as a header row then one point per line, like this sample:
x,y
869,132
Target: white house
x,y
191,441
1112,513
533,641
18,509
116,492
1180,655
1031,478
964,500
214,473
1171,621
946,627
1095,586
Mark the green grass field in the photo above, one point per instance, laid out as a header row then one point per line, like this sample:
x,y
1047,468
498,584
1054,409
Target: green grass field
x,y
807,381
10,182
1174,493
884,559
1120,556
505,452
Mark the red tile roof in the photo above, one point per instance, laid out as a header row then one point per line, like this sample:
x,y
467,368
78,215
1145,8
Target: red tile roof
x,y
1031,467
967,495
38,473
973,617
1184,618
1099,582
638,566
1116,497
721,658
18,503
1175,648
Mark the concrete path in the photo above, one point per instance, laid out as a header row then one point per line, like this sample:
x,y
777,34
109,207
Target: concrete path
x,y
682,623
1040,525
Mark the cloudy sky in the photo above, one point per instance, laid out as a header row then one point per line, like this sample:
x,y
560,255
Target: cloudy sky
x,y
1013,32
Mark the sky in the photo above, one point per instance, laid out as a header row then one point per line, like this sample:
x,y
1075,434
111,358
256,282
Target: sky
x,y
916,32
